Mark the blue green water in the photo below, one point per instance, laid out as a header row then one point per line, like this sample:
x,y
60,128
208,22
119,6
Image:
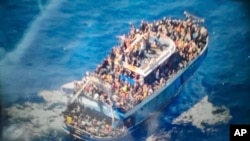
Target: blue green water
x,y
45,43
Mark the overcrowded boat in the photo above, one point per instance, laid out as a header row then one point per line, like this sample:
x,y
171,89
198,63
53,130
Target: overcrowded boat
x,y
139,77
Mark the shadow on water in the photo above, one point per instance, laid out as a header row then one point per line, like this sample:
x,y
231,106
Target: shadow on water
x,y
246,9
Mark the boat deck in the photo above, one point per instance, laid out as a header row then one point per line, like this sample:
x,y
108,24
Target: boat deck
x,y
109,92
154,59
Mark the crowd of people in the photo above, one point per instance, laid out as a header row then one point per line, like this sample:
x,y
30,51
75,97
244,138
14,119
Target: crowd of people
x,y
91,122
91,90
189,39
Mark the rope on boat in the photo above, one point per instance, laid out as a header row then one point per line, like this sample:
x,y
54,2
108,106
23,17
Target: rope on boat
x,y
79,92
112,112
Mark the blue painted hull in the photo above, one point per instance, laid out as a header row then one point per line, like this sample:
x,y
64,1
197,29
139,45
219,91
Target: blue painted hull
x,y
157,102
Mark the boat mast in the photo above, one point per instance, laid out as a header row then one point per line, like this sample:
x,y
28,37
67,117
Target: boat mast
x,y
78,93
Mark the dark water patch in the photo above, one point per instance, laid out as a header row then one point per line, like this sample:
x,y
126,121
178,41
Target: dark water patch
x,y
23,100
218,111
240,112
179,133
246,6
56,105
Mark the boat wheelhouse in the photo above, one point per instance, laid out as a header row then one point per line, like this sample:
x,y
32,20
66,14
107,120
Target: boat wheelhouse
x,y
138,78
151,62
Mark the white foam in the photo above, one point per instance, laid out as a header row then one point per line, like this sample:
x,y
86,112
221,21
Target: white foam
x,y
53,96
161,136
153,123
32,120
202,113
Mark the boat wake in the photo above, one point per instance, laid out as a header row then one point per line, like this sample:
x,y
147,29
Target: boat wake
x,y
153,124
204,113
161,136
31,33
34,121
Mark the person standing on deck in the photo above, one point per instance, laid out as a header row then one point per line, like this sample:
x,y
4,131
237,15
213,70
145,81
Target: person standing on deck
x,y
142,49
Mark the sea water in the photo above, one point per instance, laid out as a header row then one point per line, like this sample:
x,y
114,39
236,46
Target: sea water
x,y
46,43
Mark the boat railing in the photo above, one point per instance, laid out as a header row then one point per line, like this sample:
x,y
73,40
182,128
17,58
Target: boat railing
x,y
101,84
76,128
79,132
79,92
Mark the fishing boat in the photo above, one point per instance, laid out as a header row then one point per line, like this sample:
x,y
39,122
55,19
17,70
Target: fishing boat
x,y
138,78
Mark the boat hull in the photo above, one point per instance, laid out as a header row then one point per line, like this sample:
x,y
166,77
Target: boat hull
x,y
155,104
